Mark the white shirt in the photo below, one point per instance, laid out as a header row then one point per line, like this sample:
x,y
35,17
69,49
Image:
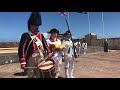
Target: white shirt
x,y
84,45
69,47
77,45
57,54
56,41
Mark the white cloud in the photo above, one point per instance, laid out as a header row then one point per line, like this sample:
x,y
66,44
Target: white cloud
x,y
19,38
46,35
74,37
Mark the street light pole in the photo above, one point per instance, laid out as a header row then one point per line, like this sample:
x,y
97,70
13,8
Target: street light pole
x,y
103,26
89,26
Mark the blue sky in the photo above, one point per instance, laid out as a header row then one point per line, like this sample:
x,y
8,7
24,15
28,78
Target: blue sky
x,y
13,24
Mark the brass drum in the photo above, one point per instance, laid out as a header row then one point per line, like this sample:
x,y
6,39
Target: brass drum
x,y
47,69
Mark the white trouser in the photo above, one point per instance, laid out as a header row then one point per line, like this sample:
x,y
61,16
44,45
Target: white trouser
x,y
69,65
84,51
58,60
78,51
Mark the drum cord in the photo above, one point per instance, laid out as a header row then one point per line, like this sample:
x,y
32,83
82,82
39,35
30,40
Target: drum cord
x,y
43,74
50,74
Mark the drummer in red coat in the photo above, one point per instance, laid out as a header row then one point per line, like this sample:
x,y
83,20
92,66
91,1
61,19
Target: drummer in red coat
x,y
32,46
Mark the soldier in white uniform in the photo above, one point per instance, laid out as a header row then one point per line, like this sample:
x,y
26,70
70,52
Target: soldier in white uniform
x,y
84,46
68,55
57,57
78,48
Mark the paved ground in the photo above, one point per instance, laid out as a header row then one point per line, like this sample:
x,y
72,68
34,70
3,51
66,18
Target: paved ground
x,y
8,50
92,65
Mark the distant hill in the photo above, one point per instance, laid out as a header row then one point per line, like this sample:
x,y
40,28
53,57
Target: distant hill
x,y
8,44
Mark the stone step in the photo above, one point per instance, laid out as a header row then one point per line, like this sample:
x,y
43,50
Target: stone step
x,y
7,58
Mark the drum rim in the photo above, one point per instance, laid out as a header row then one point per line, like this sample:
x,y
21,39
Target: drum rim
x,y
49,68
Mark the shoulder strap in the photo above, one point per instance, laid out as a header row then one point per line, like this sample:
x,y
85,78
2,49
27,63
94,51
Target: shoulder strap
x,y
40,36
38,43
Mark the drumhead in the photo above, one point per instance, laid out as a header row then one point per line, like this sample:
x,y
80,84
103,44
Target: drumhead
x,y
47,65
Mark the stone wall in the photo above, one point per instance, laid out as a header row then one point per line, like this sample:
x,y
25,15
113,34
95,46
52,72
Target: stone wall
x,y
97,42
114,43
92,49
8,44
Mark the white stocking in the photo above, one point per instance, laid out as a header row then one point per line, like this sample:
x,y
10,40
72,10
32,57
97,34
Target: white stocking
x,y
67,73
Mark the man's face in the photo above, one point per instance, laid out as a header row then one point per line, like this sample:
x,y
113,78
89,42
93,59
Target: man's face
x,y
68,35
34,28
54,34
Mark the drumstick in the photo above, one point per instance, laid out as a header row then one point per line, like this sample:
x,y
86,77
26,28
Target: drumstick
x,y
43,61
39,64
30,67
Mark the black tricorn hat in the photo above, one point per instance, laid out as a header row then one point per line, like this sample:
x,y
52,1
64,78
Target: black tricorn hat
x,y
54,30
35,19
67,32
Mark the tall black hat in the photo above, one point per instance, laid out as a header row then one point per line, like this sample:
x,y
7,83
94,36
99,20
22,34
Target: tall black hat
x,y
54,30
67,32
35,19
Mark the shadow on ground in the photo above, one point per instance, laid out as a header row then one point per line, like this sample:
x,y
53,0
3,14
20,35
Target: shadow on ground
x,y
60,77
25,74
20,74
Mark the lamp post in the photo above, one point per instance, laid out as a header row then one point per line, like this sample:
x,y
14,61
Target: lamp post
x,y
103,26
89,27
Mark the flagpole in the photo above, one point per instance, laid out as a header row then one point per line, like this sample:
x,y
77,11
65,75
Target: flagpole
x,y
103,26
89,24
69,19
66,19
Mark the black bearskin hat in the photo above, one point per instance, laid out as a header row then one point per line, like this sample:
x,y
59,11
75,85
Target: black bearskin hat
x,y
35,19
54,30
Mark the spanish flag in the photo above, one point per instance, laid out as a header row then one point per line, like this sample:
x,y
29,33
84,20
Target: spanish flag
x,y
63,13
